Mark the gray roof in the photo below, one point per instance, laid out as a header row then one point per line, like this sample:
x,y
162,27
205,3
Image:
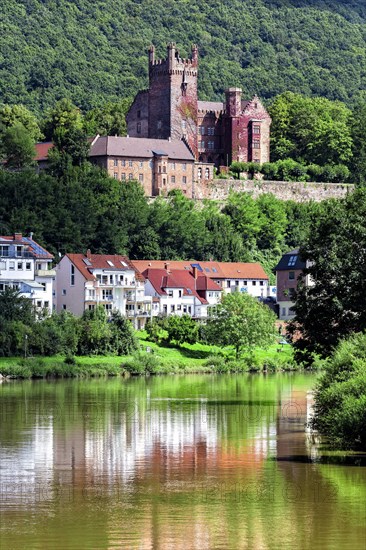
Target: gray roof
x,y
210,106
290,261
139,147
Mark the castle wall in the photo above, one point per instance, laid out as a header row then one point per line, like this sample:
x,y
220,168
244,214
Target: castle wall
x,y
138,116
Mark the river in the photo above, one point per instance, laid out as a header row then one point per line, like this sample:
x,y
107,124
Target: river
x,y
173,462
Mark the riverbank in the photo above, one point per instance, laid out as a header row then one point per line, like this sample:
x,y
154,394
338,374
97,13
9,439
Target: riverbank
x,y
151,359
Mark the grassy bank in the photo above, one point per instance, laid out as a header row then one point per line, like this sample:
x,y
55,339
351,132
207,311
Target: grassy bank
x,y
151,359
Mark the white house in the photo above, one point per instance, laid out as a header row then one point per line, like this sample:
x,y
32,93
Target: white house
x,y
27,266
84,281
181,292
230,276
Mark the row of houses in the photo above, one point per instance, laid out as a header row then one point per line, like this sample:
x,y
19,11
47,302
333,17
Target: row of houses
x,y
139,289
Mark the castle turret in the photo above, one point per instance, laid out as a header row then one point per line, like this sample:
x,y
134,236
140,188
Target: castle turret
x,y
233,102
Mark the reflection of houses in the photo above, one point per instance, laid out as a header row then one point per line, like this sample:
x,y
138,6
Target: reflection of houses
x,y
25,265
288,270
84,281
230,276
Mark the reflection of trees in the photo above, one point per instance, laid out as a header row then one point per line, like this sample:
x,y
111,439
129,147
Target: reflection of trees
x,y
183,462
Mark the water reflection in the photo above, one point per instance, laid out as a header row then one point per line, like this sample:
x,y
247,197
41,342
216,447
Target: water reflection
x,y
172,462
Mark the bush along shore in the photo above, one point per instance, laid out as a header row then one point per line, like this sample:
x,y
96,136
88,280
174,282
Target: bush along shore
x,y
151,359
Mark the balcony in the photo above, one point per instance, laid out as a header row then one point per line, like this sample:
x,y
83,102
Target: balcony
x,y
139,313
45,273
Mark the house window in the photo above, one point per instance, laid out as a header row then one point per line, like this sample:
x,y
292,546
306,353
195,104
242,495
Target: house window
x,y
172,308
115,162
254,283
228,284
261,283
123,176
184,166
141,177
115,175
256,129
72,275
211,145
292,261
256,144
123,162
139,127
19,251
107,294
64,292
130,163
46,304
283,312
12,266
291,275
91,307
28,266
20,266
184,180
245,283
130,177
179,307
39,303
108,308
63,306
291,293
172,179
170,293
4,250
179,293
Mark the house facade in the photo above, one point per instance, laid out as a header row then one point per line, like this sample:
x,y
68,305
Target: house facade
x,y
229,276
85,281
288,270
27,266
216,132
181,292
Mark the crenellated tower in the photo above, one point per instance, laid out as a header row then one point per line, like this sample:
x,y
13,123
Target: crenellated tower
x,y
173,96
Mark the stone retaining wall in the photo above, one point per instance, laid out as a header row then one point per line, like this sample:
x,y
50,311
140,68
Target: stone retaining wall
x,y
284,190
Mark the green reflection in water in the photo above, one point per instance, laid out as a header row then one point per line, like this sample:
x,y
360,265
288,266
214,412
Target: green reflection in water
x,y
172,462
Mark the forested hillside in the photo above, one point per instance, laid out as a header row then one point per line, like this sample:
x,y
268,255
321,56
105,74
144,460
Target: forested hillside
x,y
95,52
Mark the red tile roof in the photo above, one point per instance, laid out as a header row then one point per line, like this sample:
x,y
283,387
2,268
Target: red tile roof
x,y
42,150
161,279
213,270
86,263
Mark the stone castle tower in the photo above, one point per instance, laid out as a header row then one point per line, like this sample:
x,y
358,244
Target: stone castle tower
x,y
216,132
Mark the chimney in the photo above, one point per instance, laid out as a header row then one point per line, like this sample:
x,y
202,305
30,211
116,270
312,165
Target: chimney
x,y
166,265
195,272
88,254
31,235
18,236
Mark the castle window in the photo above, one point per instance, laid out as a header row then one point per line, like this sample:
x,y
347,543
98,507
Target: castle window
x,y
184,166
172,179
130,163
184,124
123,162
211,131
115,162
115,175
256,129
172,165
184,180
159,169
141,177
164,169
207,173
199,173
139,127
202,130
201,144
256,144
141,163
138,114
211,145
130,177
123,176
159,124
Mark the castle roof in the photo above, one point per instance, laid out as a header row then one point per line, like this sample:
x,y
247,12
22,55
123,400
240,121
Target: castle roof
x,y
139,147
211,106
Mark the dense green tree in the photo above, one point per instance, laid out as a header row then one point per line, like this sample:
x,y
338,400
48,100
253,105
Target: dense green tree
x,y
11,115
181,329
62,118
18,147
310,129
108,120
333,306
340,396
241,321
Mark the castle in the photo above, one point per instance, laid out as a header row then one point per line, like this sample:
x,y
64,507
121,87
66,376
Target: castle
x,y
216,132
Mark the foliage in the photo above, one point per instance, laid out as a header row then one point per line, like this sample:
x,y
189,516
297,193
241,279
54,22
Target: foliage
x,y
340,397
181,329
333,306
108,120
241,321
91,52
18,147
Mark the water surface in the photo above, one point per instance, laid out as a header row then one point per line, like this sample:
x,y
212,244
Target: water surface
x,y
173,462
